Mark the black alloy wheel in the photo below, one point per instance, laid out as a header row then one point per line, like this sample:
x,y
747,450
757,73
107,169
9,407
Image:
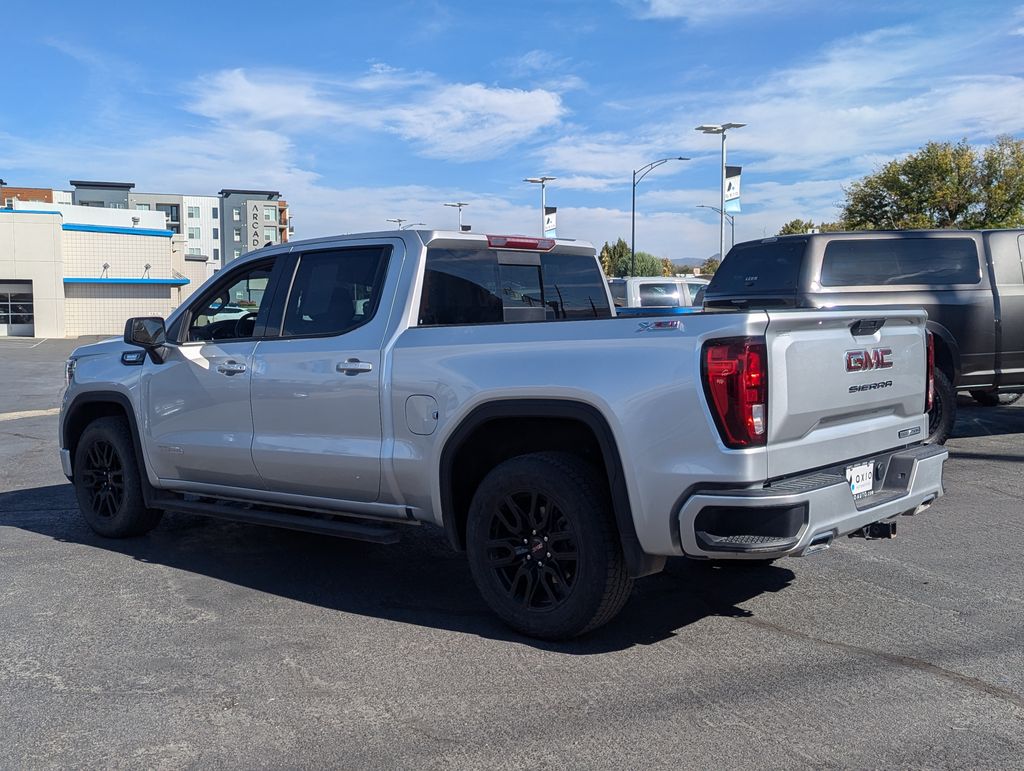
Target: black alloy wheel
x,y
107,480
543,546
103,478
942,415
532,550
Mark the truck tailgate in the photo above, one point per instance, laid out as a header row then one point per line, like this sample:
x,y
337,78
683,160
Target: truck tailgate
x,y
843,384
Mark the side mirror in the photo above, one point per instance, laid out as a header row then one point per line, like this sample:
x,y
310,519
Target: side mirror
x,y
147,332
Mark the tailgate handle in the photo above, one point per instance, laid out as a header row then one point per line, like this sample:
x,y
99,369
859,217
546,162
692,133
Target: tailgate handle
x,y
866,326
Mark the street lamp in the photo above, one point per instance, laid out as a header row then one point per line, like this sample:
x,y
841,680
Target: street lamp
x,y
730,217
542,181
458,205
411,225
720,128
398,222
642,171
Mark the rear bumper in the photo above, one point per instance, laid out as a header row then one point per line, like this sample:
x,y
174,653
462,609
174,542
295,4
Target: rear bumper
x,y
801,514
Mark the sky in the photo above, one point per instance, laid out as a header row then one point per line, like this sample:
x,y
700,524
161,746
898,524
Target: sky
x,y
360,112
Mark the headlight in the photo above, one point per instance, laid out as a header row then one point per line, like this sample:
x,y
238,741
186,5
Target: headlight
x,y
69,371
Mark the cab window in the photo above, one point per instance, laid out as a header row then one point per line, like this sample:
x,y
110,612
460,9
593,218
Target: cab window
x,y
230,310
335,291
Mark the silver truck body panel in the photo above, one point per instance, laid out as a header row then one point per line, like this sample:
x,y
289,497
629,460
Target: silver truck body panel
x,y
292,428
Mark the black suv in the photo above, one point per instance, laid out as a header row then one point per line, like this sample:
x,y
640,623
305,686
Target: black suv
x,y
971,282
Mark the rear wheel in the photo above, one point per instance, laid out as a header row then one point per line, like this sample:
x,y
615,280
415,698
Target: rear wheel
x,y
994,399
107,482
943,412
543,548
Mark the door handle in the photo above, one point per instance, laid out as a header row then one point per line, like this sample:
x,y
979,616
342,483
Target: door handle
x,y
230,368
354,367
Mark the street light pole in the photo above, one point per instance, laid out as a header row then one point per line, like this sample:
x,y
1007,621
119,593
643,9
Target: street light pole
x,y
730,217
643,171
458,205
542,181
398,221
720,128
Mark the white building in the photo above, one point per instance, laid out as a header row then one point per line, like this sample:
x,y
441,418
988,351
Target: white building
x,y
70,270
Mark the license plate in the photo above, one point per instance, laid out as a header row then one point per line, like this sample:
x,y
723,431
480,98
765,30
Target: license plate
x,y
861,478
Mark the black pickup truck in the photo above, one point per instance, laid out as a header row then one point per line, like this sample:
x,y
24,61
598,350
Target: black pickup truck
x,y
971,282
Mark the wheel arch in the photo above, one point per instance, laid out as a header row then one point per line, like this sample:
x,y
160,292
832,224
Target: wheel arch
x,y
92,405
569,421
947,351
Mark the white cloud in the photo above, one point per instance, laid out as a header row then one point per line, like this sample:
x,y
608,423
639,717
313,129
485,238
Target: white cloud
x,y
702,11
453,121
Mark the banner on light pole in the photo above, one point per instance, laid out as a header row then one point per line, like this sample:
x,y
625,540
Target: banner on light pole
x,y
732,182
550,221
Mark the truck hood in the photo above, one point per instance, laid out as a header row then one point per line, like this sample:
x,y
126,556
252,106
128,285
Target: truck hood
x,y
112,345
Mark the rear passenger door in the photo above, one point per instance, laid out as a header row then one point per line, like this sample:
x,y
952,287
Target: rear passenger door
x,y
316,388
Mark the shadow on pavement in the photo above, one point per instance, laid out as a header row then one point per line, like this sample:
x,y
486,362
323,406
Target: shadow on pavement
x,y
418,581
973,420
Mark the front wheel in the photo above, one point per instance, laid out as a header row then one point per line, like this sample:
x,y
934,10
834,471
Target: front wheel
x,y
543,548
943,412
107,482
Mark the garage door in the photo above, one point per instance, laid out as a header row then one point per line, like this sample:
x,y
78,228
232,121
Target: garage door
x,y
16,314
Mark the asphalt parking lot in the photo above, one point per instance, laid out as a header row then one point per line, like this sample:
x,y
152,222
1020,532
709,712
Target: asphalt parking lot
x,y
210,643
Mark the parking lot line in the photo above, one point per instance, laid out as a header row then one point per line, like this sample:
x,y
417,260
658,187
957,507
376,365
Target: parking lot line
x,y
5,416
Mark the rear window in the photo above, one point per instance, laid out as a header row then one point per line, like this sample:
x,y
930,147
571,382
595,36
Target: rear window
x,y
469,286
618,290
760,268
659,295
900,261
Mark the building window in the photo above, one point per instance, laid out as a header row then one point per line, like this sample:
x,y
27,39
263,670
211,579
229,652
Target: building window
x,y
142,206
216,233
238,235
215,213
238,253
269,213
216,253
193,233
269,234
194,250
172,211
236,214
193,212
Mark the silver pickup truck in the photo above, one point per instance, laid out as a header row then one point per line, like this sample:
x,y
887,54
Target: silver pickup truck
x,y
484,385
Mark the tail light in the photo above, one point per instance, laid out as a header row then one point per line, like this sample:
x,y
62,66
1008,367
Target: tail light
x,y
735,373
929,399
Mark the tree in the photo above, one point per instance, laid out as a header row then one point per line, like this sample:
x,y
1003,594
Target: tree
x,y
617,261
710,265
942,185
668,268
798,226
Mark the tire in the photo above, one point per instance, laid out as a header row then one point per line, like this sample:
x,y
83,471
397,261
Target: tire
x,y
943,411
994,399
552,589
107,482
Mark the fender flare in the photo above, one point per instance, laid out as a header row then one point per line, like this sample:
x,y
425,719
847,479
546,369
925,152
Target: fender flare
x,y
951,345
110,397
638,562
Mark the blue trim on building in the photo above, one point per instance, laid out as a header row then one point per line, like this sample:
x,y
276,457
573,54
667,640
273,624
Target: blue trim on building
x,y
29,211
167,281
122,231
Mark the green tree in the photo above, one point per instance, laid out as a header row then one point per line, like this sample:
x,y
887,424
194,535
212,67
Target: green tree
x,y
709,266
942,185
798,226
617,261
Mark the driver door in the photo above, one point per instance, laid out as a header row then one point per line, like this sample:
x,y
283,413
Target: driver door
x,y
198,421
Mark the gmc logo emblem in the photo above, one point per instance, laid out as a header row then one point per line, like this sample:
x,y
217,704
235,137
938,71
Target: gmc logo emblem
x,y
862,361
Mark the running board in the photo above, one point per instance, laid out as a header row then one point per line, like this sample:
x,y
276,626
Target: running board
x,y
356,531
